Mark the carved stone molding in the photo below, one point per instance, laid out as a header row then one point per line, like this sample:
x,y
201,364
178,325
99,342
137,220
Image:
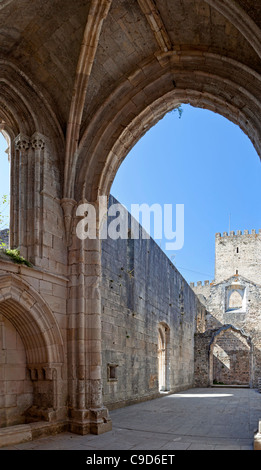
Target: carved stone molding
x,y
22,142
68,207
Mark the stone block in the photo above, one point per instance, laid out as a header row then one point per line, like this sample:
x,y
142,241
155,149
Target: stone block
x,y
15,435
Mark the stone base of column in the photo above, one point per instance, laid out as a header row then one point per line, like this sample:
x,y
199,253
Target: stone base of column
x,y
36,414
94,421
100,421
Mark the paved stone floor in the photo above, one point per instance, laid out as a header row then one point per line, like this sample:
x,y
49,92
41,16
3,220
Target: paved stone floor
x,y
196,419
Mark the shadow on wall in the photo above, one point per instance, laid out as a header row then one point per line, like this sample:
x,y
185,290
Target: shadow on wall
x,y
225,355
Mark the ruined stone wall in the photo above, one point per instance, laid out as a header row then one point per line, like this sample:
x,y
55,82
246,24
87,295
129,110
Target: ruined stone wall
x,y
141,289
233,298
246,317
231,359
202,356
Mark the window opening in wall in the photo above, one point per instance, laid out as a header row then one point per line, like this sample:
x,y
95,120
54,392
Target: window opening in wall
x,y
112,372
235,301
4,188
237,250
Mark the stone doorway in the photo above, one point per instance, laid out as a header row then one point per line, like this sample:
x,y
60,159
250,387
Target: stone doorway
x,y
17,388
230,358
163,357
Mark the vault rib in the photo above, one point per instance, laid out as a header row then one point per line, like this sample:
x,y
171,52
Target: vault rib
x,y
241,20
154,19
99,10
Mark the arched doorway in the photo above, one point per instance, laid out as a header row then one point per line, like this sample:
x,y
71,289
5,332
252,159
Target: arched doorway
x,y
17,386
163,357
231,357
32,354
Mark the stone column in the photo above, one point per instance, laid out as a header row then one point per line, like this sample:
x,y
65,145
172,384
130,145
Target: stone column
x,y
27,174
38,146
87,413
19,192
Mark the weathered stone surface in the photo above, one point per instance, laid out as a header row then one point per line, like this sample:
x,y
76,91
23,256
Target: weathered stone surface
x,y
233,298
81,83
142,290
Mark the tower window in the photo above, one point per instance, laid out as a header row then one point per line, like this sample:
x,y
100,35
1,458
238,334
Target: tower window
x,y
237,250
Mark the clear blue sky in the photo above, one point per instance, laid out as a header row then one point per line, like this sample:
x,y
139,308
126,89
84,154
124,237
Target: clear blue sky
x,y
202,161
4,180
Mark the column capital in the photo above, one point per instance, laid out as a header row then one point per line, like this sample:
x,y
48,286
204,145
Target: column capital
x,y
22,142
38,141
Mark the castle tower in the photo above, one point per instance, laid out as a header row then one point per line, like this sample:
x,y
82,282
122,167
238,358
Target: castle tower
x,y
238,253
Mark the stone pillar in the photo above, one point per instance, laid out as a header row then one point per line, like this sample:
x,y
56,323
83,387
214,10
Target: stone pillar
x,y
38,145
28,171
87,413
19,192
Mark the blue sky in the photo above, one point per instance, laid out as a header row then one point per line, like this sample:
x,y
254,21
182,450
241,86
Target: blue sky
x,y
202,161
4,179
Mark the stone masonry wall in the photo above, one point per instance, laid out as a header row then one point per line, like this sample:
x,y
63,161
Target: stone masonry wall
x,y
231,359
142,289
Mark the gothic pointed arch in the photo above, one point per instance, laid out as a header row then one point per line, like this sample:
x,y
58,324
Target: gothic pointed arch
x,y
34,321
163,82
231,359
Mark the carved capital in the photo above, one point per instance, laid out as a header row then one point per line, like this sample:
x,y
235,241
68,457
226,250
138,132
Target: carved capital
x,y
38,141
22,142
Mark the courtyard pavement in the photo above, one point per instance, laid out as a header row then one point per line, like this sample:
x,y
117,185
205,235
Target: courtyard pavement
x,y
196,419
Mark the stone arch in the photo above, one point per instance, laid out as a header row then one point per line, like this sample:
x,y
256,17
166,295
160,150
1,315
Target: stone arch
x,y
199,78
34,321
247,348
23,106
235,300
16,385
163,357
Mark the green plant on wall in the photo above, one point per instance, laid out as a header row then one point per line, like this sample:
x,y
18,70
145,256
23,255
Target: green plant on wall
x,y
13,254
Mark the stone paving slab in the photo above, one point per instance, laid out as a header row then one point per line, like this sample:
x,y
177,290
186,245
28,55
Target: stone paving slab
x,y
196,419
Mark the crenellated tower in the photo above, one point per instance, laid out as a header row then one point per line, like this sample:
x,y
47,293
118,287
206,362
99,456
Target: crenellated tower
x,y
238,254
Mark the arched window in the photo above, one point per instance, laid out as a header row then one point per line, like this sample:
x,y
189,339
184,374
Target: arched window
x,y
235,300
4,188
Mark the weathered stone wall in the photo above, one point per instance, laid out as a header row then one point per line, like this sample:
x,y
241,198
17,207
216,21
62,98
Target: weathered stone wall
x,y
141,289
142,292
245,316
16,388
231,359
202,357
